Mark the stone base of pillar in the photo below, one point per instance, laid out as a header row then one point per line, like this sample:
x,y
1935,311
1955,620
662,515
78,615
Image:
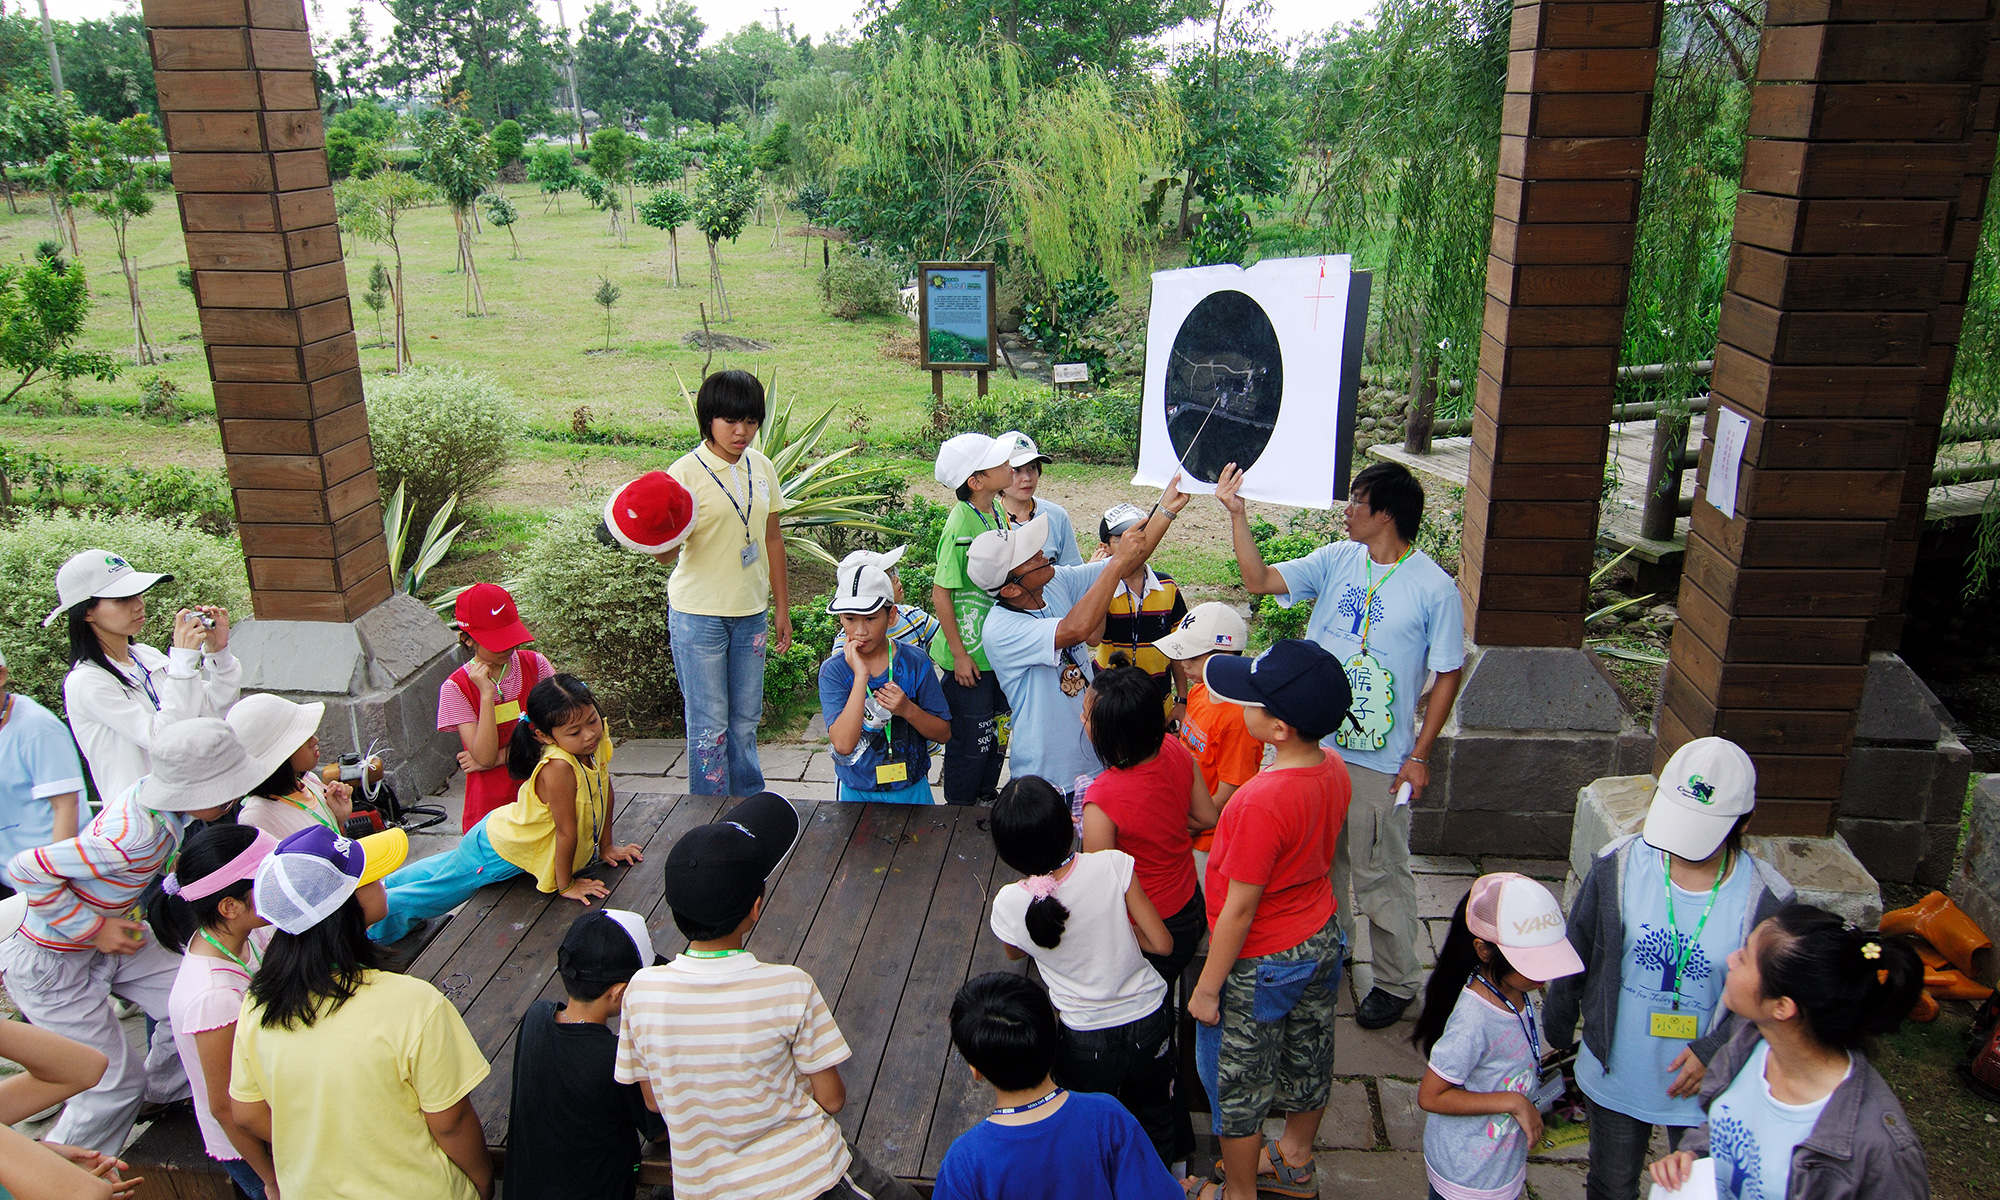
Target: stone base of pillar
x,y
1532,725
1975,886
1904,792
378,677
1825,870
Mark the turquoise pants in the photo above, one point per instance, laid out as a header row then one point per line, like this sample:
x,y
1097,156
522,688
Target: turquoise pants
x,y
439,884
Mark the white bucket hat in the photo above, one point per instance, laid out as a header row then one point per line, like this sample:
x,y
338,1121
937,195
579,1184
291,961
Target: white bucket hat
x,y
13,910
272,728
97,575
198,764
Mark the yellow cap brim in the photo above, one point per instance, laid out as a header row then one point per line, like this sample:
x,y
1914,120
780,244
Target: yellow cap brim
x,y
384,851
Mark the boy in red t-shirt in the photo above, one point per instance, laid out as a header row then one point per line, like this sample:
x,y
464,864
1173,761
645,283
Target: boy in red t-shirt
x,y
1265,1001
1211,729
482,699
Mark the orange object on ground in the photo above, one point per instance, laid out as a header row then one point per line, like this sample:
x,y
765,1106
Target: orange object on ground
x,y
1940,922
1952,985
1926,1009
1933,961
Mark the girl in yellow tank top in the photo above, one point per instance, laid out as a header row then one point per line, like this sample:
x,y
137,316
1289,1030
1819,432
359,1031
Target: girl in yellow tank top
x,y
560,820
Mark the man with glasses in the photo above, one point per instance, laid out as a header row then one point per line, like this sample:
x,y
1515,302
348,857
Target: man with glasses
x,y
1037,634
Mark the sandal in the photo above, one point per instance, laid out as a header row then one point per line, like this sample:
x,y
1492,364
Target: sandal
x,y
1201,1189
1286,1179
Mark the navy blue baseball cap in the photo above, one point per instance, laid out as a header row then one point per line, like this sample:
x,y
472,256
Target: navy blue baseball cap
x,y
1296,681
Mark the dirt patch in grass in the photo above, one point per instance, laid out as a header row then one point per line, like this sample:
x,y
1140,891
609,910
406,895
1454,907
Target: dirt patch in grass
x,y
1960,1132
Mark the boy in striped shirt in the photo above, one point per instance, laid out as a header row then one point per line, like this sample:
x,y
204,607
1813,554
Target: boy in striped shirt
x,y
741,1057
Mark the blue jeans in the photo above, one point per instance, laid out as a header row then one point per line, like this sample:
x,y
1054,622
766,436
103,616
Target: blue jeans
x,y
245,1177
439,884
720,664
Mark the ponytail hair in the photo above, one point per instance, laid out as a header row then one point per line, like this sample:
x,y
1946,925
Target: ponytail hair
x,y
547,709
208,849
1456,961
1848,983
1033,832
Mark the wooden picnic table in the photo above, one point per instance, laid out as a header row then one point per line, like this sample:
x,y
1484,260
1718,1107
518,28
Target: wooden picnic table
x,y
885,904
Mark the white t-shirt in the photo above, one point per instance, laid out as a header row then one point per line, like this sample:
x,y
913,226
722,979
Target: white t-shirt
x,y
1096,975
1751,1133
115,723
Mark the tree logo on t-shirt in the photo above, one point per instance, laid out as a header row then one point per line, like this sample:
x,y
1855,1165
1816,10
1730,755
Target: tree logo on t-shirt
x,y
1660,949
1355,604
1739,1168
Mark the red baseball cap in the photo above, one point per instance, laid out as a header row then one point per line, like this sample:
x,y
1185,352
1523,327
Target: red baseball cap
x,y
487,614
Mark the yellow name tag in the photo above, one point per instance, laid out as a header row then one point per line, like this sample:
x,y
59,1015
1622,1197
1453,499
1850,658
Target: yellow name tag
x,y
1676,1025
510,711
892,773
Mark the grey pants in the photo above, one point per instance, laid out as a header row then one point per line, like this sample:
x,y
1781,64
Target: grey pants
x,y
1374,856
866,1181
1618,1152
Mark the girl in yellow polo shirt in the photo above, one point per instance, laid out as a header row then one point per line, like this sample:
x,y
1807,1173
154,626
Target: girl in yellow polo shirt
x,y
558,824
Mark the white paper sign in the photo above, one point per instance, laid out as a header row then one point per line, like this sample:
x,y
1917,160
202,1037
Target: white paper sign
x,y
1700,1184
1244,366
1071,372
1732,431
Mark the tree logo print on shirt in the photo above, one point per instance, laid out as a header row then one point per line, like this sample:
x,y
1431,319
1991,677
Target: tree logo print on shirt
x,y
1659,949
1356,604
1739,1163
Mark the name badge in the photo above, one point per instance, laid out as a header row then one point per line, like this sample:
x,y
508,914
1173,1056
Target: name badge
x,y
749,555
1676,1025
892,773
1548,1091
510,711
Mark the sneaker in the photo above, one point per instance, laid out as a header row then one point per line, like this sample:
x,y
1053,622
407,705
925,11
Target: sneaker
x,y
1379,1009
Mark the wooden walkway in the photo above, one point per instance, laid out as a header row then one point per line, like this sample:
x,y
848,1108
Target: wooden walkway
x,y
885,904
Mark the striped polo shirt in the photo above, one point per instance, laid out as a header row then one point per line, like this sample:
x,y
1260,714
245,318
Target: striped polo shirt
x,y
1133,624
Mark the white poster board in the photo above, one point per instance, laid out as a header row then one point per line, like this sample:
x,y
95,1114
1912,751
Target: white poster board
x,y
1248,366
1725,462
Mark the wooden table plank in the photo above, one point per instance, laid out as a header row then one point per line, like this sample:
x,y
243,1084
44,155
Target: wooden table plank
x,y
918,1055
835,934
868,1005
963,1101
794,897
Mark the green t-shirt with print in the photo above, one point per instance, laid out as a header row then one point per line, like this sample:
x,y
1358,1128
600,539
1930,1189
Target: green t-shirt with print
x,y
969,603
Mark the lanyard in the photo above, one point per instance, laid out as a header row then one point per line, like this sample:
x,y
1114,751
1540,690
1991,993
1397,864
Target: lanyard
x,y
713,953
1527,1019
311,811
1030,1106
1368,600
1687,948
750,492
1000,518
145,681
206,937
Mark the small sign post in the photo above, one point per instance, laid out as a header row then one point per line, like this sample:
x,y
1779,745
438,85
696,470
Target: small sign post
x,y
1072,373
955,320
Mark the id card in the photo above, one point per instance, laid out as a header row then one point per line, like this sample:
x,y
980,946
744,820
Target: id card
x,y
510,711
1675,1025
1549,1091
892,773
749,555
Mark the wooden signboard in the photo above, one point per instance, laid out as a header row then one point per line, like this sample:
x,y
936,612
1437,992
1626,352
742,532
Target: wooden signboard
x,y
956,324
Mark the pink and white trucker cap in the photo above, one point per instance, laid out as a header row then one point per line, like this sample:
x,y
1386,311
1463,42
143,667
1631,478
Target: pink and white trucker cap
x,y
1520,916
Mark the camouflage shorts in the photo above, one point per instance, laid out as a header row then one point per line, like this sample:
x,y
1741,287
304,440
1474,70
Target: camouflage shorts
x,y
1270,1057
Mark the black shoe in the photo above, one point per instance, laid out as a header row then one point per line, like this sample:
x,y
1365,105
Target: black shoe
x,y
1379,1010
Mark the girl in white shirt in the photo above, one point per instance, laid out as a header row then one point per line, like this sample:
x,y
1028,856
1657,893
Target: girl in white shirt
x,y
1084,919
120,693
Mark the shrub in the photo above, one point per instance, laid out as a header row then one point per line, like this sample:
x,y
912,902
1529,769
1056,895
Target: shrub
x,y
1095,427
440,430
859,285
1268,622
508,143
200,496
207,570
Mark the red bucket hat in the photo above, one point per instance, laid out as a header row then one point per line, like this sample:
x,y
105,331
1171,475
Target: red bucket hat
x,y
486,612
651,514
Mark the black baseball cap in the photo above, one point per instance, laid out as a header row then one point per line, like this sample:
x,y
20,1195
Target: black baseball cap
x,y
715,871
1296,681
606,947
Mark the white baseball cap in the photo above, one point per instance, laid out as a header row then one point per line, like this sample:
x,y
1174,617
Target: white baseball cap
x,y
885,559
97,575
861,588
1208,628
962,457
1025,451
1704,789
994,554
1522,918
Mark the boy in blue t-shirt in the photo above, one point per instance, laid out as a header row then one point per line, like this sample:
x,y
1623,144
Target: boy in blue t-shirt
x,y
1042,1142
882,701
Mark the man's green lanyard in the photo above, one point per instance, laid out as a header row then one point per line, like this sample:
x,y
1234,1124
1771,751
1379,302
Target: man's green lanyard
x,y
712,953
1368,600
1680,964
224,950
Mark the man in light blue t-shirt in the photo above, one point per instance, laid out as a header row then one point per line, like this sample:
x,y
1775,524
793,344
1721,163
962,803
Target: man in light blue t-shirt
x,y
1035,637
1391,616
41,778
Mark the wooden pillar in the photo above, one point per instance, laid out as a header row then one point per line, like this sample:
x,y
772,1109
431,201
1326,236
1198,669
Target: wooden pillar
x,y
1976,130
1839,256
235,82
1573,146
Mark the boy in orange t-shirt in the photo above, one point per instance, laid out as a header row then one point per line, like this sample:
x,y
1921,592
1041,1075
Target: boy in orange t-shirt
x,y
1213,730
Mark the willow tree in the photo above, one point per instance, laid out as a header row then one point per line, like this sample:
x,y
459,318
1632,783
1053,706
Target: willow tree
x,y
458,161
1410,127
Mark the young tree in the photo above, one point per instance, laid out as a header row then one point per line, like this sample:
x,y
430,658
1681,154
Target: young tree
x,y
611,157
606,295
459,162
371,209
603,196
377,295
553,169
33,125
115,178
811,203
669,211
42,309
662,163
722,202
501,211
